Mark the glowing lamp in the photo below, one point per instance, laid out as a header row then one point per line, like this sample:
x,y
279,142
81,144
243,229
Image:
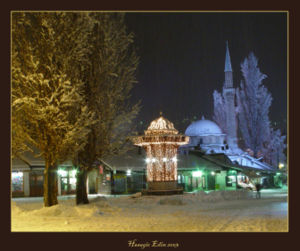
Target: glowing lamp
x,y
212,173
128,173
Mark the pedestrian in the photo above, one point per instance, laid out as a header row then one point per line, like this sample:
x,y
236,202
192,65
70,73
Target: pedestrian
x,y
258,187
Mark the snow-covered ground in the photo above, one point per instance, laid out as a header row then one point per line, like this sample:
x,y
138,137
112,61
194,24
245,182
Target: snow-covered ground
x,y
191,212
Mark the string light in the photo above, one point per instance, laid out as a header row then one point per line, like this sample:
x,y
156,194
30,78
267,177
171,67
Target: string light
x,y
161,141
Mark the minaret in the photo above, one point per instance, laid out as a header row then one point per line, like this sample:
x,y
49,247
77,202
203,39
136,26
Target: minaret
x,y
229,95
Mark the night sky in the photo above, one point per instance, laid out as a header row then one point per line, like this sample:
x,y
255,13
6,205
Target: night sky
x,y
182,58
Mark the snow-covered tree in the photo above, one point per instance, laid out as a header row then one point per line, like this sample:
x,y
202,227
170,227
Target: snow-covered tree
x,y
219,111
109,78
273,150
48,111
254,101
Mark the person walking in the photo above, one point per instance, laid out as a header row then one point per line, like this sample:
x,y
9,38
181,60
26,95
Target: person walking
x,y
258,187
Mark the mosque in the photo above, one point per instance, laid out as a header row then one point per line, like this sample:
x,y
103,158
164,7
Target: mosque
x,y
209,160
208,136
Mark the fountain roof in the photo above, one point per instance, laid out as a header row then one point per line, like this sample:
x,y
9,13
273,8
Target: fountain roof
x,y
161,126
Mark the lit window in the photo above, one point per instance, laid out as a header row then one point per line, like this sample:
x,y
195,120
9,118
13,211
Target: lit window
x,y
17,181
62,173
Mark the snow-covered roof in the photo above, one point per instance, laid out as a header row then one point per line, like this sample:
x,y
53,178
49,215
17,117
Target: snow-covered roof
x,y
203,127
246,161
133,159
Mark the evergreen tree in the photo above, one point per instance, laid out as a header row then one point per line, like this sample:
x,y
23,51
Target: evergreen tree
x,y
48,112
273,150
109,78
253,101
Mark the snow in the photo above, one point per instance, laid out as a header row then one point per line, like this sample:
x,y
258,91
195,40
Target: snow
x,y
203,127
223,211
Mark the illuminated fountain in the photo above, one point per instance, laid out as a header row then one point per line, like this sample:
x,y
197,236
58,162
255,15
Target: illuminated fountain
x,y
161,141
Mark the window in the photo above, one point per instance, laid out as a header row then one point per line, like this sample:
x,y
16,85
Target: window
x,y
17,181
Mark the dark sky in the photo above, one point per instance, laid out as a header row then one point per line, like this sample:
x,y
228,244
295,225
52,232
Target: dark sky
x,y
182,59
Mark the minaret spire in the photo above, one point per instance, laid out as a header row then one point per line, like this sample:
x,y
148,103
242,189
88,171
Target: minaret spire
x,y
229,96
227,60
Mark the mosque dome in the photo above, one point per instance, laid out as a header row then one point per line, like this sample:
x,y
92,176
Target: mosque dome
x,y
203,127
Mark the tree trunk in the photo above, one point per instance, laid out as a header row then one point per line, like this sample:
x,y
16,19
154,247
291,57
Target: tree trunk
x,y
81,188
50,186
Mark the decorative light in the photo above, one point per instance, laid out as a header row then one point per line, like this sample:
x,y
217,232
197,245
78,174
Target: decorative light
x,y
212,173
161,141
197,173
128,173
281,165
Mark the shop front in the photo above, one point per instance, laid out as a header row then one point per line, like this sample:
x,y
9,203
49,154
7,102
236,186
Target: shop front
x,y
17,184
66,180
36,180
197,180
